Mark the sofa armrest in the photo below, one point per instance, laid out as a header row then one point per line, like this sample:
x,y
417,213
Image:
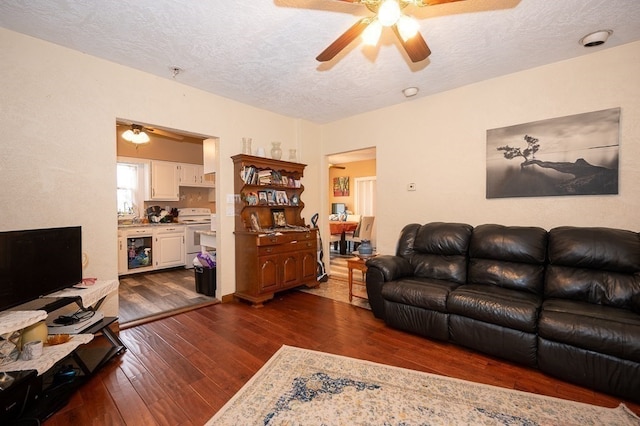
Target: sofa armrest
x,y
391,267
381,269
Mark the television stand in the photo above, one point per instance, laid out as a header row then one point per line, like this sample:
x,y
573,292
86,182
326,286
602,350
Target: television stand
x,y
82,359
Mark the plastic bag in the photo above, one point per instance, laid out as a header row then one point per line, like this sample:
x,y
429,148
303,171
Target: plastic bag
x,y
206,260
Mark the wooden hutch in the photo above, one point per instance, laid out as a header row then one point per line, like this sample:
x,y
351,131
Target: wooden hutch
x,y
275,250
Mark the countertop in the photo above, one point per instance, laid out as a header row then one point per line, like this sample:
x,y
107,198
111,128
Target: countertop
x,y
144,225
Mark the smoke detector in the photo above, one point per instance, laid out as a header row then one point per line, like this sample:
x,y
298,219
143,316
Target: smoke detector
x,y
595,39
410,91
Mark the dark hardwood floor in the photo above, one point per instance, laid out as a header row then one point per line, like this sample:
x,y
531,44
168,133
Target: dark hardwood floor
x,y
180,370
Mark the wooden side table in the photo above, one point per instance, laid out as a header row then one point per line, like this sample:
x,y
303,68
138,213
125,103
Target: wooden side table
x,y
359,264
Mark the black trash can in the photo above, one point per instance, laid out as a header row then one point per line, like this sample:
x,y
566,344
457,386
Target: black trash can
x,y
206,281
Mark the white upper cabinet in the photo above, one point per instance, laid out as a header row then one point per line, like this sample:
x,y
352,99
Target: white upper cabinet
x,y
163,178
193,175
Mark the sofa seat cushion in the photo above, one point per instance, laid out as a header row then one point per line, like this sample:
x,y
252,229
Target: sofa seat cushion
x,y
598,328
496,305
425,293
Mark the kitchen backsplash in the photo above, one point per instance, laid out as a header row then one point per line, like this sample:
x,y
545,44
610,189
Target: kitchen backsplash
x,y
189,197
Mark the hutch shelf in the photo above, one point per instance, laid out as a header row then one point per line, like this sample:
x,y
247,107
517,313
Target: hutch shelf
x,y
275,250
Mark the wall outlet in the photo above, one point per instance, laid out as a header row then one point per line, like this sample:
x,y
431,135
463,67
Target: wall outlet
x,y
411,187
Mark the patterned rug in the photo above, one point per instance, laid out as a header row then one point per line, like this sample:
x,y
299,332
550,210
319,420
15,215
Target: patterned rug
x,y
337,287
304,387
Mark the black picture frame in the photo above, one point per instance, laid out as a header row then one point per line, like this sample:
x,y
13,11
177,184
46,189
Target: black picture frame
x,y
262,198
279,218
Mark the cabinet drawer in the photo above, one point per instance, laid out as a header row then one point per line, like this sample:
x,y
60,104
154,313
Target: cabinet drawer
x,y
288,237
278,248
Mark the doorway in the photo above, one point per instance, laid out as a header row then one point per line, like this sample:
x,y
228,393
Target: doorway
x,y
352,186
163,287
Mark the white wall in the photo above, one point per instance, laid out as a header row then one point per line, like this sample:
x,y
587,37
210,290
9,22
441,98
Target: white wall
x,y
58,109
439,142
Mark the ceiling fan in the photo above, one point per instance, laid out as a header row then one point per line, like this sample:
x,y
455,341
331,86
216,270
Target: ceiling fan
x,y
388,13
135,130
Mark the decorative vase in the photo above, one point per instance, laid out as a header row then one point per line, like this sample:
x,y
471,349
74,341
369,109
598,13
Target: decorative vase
x,y
292,155
246,146
365,249
276,151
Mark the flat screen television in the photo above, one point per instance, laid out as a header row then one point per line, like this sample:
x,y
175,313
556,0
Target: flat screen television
x,y
37,262
338,208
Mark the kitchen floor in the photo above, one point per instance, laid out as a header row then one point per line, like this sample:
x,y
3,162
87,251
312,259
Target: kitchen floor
x,y
148,296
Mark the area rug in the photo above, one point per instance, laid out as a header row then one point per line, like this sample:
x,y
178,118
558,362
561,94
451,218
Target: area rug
x,y
337,287
303,387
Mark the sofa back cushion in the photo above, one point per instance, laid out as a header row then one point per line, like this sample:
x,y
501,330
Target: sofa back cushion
x,y
595,265
511,257
437,250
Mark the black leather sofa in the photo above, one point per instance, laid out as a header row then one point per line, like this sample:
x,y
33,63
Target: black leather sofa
x,y
566,301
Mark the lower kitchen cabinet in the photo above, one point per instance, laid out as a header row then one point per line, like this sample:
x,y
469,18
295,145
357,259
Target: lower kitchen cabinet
x,y
268,263
168,245
148,248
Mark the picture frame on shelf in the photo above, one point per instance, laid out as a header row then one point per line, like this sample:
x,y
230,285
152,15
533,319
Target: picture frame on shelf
x,y
271,197
281,198
252,199
255,222
285,181
262,198
279,218
294,200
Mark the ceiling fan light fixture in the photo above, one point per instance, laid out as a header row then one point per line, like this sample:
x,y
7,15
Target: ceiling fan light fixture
x,y
371,34
135,135
389,12
407,27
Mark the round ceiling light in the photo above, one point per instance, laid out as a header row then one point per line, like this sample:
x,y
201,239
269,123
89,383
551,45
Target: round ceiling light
x,y
410,91
595,39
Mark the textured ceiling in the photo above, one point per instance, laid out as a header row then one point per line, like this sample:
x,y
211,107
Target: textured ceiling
x,y
262,52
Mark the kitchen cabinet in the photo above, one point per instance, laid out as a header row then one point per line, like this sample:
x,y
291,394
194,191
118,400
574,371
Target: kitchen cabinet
x,y
193,175
169,247
151,247
271,257
163,180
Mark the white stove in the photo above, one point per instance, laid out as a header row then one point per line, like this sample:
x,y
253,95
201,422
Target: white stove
x,y
194,215
195,219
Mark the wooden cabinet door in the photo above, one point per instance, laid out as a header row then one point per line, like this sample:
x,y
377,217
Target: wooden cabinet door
x,y
309,266
290,271
268,273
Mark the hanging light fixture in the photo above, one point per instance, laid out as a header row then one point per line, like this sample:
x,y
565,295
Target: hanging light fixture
x,y
136,135
389,13
407,27
371,34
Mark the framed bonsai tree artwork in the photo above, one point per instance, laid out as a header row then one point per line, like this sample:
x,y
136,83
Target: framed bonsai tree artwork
x,y
572,155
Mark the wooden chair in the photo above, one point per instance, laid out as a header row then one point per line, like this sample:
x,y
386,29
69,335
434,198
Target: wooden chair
x,y
362,232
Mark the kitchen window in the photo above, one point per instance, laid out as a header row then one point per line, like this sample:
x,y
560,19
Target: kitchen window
x,y
129,189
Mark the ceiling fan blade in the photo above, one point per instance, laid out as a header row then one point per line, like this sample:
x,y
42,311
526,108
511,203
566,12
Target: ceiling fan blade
x,y
343,41
165,134
415,47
